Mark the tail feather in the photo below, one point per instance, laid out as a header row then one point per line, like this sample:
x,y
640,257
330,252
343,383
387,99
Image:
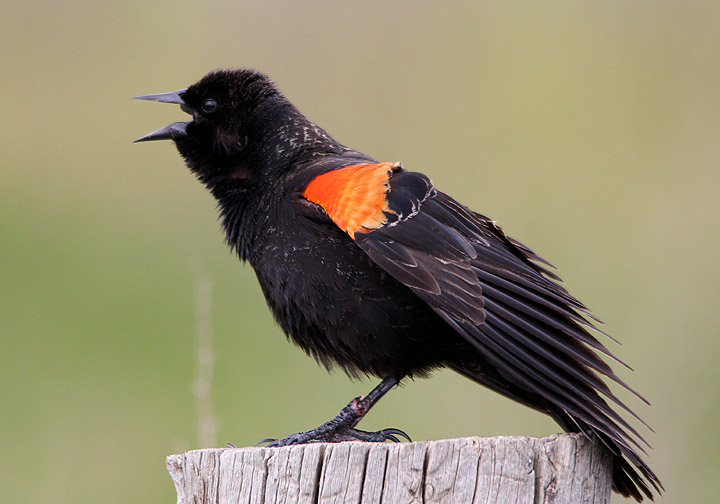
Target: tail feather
x,y
631,476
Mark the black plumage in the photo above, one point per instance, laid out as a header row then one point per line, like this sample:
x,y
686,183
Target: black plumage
x,y
369,267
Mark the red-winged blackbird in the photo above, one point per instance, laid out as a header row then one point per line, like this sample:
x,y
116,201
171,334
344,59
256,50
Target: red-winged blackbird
x,y
369,267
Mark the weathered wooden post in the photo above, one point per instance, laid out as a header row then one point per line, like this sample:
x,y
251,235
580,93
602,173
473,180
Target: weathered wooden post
x,y
564,468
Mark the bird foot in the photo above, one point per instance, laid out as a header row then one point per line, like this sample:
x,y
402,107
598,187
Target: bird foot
x,y
341,428
319,435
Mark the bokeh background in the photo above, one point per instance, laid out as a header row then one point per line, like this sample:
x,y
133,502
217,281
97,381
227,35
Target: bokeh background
x,y
589,130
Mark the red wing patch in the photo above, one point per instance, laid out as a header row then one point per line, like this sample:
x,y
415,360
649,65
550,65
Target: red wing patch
x,y
355,196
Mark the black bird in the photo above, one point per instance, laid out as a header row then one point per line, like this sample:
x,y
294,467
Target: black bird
x,y
369,267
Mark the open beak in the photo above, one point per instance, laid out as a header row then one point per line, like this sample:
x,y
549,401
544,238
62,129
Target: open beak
x,y
171,131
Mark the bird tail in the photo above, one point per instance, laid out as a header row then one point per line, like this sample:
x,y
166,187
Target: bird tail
x,y
631,476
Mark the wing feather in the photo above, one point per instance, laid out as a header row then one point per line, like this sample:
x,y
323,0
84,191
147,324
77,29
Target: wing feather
x,y
502,298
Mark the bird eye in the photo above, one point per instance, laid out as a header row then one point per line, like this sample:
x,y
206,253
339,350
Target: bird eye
x,y
209,106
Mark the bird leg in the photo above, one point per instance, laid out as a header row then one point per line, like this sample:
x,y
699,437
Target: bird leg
x,y
342,427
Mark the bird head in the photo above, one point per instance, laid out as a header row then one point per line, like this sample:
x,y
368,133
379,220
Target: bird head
x,y
236,116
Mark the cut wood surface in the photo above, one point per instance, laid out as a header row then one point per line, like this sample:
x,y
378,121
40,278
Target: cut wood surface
x,y
564,468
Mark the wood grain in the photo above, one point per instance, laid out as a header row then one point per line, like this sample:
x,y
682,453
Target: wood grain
x,y
564,468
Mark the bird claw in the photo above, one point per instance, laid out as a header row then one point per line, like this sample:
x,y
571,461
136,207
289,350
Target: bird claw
x,y
336,436
396,432
292,439
342,427
379,436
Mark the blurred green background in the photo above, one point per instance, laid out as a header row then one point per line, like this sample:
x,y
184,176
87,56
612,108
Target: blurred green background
x,y
589,130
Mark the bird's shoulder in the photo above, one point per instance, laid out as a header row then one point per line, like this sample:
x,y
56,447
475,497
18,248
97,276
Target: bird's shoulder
x,y
367,199
362,197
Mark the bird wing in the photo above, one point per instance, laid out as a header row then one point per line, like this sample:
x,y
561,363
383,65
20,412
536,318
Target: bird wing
x,y
379,206
494,291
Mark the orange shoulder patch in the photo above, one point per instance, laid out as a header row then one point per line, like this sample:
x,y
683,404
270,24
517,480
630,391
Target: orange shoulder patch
x,y
354,196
